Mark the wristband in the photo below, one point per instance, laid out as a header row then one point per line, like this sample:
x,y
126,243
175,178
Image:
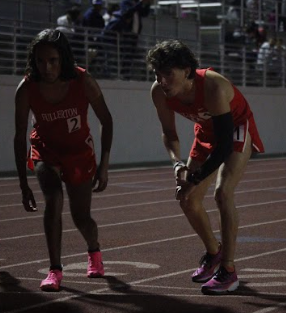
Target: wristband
x,y
178,163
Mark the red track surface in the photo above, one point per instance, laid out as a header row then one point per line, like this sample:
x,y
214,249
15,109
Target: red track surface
x,y
149,249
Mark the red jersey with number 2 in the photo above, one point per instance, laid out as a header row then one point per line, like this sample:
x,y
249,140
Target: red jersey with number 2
x,y
204,141
61,134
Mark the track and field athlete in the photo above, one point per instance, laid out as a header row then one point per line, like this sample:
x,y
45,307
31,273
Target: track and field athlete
x,y
225,137
58,93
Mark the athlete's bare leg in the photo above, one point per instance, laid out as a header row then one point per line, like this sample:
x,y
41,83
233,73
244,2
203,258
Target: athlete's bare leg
x,y
196,213
80,202
229,175
51,186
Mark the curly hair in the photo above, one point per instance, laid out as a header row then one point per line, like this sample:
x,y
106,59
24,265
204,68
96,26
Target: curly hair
x,y
57,40
172,53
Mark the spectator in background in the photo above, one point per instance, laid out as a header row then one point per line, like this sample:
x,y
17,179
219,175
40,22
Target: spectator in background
x,y
270,59
255,35
106,61
93,17
128,22
266,56
67,23
119,22
140,9
129,17
233,12
234,32
111,7
250,37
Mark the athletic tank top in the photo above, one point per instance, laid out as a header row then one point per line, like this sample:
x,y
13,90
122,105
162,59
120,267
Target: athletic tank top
x,y
62,127
197,112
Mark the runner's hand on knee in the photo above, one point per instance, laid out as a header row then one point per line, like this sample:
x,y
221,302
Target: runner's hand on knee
x,y
180,191
180,171
184,192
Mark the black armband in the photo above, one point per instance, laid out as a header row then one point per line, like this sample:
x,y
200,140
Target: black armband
x,y
194,178
223,129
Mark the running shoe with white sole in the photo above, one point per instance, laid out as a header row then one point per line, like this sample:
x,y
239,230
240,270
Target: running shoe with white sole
x,y
209,264
222,282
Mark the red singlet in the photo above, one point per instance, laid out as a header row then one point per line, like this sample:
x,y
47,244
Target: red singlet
x,y
61,135
204,141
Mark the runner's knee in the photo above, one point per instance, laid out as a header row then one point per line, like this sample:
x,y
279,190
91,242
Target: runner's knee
x,y
223,196
190,205
49,180
81,219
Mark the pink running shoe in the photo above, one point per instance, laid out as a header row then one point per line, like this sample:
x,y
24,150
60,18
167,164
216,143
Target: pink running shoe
x,y
209,264
221,283
53,281
95,265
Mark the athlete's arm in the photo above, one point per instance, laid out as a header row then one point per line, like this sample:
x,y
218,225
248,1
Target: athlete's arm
x,y
167,120
218,95
22,110
168,124
97,102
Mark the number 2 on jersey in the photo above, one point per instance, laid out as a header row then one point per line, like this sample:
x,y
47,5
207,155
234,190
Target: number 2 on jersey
x,y
74,123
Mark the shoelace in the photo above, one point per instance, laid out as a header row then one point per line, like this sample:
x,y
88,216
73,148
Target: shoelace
x,y
206,259
52,276
222,274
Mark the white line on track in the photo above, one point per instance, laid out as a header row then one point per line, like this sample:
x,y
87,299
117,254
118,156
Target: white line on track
x,y
33,180
275,307
250,293
261,270
103,291
137,221
135,205
157,190
153,242
149,287
139,282
171,181
259,204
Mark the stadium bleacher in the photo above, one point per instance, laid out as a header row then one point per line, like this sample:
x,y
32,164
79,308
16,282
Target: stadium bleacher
x,y
201,24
